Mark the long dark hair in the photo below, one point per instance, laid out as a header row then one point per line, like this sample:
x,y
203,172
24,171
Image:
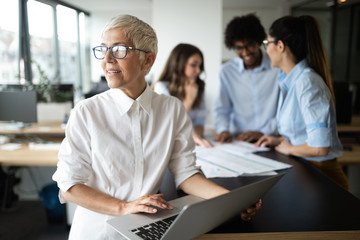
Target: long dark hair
x,y
174,72
302,36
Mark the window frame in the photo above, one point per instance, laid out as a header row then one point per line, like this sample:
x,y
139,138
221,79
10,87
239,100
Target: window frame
x,y
24,42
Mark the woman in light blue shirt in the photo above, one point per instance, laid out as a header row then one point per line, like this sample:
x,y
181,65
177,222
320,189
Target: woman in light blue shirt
x,y
180,78
306,112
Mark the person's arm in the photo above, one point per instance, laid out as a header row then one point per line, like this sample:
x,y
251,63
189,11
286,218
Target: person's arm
x,y
191,91
100,202
186,174
223,107
198,137
200,186
304,150
316,109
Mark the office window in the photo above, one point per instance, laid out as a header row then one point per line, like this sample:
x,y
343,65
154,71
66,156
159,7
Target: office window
x,y
41,30
9,42
48,34
68,39
85,49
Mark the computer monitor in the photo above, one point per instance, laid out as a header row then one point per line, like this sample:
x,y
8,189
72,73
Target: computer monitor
x,y
19,106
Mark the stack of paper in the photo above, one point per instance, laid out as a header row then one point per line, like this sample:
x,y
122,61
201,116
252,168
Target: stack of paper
x,y
235,159
44,146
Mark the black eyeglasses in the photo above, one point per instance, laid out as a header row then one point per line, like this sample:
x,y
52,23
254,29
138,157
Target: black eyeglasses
x,y
267,42
118,52
248,46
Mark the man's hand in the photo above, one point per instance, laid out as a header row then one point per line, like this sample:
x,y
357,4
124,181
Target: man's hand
x,y
249,136
249,213
223,137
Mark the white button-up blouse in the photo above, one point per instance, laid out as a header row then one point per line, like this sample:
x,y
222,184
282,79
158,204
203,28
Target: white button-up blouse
x,y
122,147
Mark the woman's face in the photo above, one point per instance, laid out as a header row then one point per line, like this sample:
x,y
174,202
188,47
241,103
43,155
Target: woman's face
x,y
192,67
127,73
272,52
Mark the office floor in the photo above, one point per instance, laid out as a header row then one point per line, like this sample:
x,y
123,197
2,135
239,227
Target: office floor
x,y
28,220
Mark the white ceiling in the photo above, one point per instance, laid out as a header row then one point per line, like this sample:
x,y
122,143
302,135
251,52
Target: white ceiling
x,y
111,5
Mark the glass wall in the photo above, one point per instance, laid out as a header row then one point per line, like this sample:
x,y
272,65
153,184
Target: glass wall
x,y
41,31
53,44
68,39
85,49
9,42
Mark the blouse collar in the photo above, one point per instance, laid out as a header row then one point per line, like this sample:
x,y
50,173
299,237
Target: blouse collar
x,y
125,102
289,80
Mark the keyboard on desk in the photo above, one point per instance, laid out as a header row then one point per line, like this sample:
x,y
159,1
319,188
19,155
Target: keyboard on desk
x,y
154,230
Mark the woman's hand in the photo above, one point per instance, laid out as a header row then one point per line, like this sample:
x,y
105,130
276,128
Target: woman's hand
x,y
284,147
249,212
147,204
200,141
268,141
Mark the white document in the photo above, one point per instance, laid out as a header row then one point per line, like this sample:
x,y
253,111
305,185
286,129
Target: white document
x,y
44,146
235,159
240,147
11,146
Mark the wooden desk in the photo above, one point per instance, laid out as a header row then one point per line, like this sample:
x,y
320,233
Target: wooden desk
x,y
352,156
20,158
323,235
350,135
44,128
28,157
353,127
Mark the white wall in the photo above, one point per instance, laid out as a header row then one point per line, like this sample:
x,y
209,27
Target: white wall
x,y
195,22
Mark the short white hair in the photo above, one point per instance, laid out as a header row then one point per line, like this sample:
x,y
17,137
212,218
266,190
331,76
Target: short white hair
x,y
141,34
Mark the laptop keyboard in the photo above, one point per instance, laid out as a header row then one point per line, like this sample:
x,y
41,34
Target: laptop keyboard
x,y
154,230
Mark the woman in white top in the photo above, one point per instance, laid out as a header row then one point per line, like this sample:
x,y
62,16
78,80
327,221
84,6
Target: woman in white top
x,y
119,143
181,78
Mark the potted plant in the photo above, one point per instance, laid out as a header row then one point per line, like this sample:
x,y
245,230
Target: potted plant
x,y
53,104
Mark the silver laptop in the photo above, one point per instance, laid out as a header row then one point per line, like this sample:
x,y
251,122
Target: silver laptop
x,y
191,216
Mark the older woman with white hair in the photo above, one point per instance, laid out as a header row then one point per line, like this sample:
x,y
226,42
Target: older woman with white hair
x,y
119,143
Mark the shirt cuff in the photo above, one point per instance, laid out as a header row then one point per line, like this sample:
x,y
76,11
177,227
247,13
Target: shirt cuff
x,y
183,168
319,137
